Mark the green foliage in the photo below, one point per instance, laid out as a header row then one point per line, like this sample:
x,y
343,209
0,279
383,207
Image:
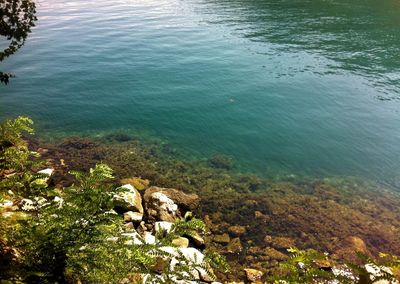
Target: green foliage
x,y
301,268
17,162
17,17
217,261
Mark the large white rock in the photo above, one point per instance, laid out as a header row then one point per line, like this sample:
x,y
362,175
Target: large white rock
x,y
161,207
128,199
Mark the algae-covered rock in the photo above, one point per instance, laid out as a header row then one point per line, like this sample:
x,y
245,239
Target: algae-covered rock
x,y
280,242
222,239
137,182
235,246
273,254
237,230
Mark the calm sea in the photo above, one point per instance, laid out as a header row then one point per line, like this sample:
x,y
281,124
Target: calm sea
x,y
307,87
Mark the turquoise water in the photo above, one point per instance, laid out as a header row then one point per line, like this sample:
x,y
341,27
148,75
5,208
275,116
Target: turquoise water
x,y
284,86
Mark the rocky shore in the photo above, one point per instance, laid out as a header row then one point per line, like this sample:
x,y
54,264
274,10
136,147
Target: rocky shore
x,y
252,221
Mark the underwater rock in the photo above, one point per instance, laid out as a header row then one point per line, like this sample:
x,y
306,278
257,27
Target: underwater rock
x,y
137,182
237,230
128,198
219,161
280,242
235,246
222,239
253,275
77,143
261,216
358,244
273,254
349,247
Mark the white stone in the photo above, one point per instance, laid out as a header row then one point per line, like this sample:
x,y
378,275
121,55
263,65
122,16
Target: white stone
x,y
149,238
192,255
134,217
128,187
128,199
47,171
133,238
41,202
165,202
163,226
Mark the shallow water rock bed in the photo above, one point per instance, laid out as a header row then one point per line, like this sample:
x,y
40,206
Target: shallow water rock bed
x,y
252,220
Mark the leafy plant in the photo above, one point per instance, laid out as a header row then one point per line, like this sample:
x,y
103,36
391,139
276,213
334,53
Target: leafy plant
x,y
17,162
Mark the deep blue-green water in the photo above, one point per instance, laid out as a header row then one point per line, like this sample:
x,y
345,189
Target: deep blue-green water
x,y
294,86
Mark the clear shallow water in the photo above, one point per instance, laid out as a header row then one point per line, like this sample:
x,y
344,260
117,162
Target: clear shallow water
x,y
304,87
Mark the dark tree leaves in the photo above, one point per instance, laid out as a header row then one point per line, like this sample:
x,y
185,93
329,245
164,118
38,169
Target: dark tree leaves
x,y
17,17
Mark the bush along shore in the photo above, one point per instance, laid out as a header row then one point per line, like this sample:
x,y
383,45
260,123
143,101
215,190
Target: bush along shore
x,y
67,217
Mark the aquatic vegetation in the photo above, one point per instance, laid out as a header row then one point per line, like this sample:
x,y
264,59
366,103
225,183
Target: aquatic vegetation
x,y
221,162
339,216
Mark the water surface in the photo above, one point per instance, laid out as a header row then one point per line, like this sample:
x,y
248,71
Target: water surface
x,y
291,86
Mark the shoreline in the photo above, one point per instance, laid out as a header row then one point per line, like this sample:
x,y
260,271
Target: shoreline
x,y
253,220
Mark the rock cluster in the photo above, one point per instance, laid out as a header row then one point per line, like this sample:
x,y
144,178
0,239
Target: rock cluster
x,y
155,213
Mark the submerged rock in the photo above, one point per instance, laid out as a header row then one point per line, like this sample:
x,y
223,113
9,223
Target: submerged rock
x,y
237,230
235,246
280,242
222,239
137,182
273,254
253,275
